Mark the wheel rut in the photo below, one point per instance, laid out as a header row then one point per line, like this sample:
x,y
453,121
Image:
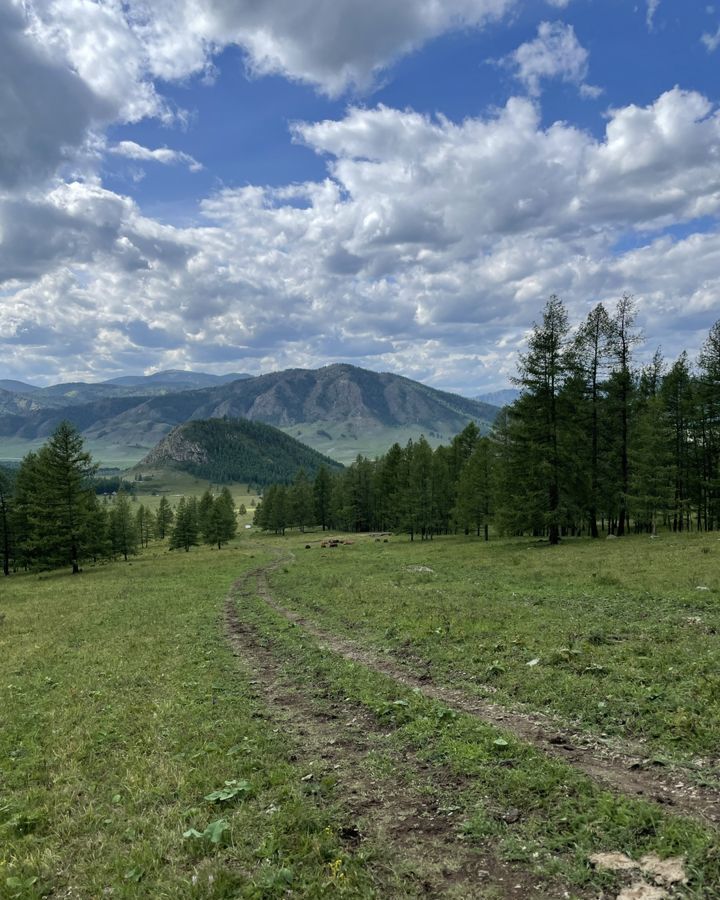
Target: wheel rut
x,y
403,813
620,768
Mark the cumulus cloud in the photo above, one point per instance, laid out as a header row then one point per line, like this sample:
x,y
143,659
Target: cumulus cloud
x,y
163,155
45,108
68,69
120,49
555,53
427,248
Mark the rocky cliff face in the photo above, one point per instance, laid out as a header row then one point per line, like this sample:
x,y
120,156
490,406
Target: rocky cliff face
x,y
177,448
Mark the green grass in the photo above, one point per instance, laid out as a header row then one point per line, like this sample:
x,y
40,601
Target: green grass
x,y
562,816
344,441
174,484
625,631
109,455
121,709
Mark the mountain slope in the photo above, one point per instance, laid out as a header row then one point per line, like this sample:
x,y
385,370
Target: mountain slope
x,y
17,387
500,398
334,394
341,410
175,379
80,393
235,450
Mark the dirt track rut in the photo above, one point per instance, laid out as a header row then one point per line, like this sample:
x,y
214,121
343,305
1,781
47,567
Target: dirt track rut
x,y
424,852
611,764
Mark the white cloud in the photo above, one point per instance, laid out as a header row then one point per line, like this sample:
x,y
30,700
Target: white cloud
x,y
711,41
427,249
121,48
45,108
69,68
163,155
555,53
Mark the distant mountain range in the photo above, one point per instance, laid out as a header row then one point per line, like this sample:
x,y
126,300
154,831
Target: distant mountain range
x,y
499,398
179,379
76,393
340,410
235,450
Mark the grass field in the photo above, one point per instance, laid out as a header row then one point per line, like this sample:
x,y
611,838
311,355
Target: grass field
x,y
139,758
625,633
175,484
121,711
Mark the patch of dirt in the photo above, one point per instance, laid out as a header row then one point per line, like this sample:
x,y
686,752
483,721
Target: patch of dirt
x,y
614,766
658,873
416,827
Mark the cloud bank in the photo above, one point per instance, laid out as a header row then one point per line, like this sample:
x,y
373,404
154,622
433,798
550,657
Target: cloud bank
x,y
427,249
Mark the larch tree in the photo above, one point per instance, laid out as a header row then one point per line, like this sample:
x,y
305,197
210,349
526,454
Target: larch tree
x,y
537,414
592,361
66,498
123,528
163,518
5,521
621,393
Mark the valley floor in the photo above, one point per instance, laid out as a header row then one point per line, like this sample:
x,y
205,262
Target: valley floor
x,y
376,719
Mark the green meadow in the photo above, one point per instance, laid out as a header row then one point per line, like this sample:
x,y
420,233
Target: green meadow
x,y
140,758
624,634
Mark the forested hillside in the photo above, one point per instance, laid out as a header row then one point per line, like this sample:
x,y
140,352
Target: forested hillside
x,y
54,511
594,444
236,450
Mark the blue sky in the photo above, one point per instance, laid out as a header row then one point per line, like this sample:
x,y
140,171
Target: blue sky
x,y
237,186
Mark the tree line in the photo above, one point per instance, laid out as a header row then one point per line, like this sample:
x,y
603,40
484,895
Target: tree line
x,y
593,444
52,515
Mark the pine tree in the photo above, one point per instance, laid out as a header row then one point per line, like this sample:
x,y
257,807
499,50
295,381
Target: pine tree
x,y
99,544
676,394
321,496
650,451
123,528
221,522
420,490
301,501
205,508
708,400
591,358
5,520
538,420
621,395
474,490
144,524
61,513
186,530
163,518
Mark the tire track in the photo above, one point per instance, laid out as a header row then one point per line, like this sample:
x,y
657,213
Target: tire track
x,y
415,827
613,766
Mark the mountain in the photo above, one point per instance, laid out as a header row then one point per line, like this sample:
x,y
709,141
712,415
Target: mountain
x,y
17,387
499,398
177,379
341,410
235,450
79,393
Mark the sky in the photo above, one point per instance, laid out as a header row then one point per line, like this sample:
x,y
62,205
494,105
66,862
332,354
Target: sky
x,y
254,185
